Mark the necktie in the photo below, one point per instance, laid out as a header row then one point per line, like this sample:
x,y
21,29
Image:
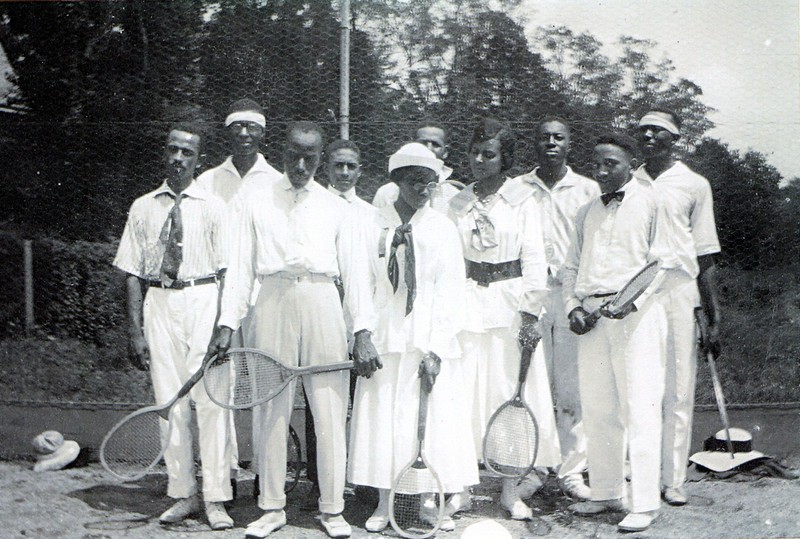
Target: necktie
x,y
402,236
608,197
172,238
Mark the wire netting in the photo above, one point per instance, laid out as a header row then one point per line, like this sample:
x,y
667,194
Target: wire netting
x,y
95,85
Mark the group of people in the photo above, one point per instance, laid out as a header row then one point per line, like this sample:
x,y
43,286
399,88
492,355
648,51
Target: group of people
x,y
439,284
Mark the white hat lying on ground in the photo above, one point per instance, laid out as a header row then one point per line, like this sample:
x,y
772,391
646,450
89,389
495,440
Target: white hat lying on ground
x,y
53,452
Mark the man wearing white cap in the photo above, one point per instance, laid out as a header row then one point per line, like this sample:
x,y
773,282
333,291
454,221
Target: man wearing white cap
x,y
244,170
418,269
688,200
433,136
295,238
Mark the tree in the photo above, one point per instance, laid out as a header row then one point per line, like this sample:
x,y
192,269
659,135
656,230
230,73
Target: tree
x,y
746,201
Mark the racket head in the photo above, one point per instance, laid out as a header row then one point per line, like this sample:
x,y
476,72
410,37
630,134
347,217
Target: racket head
x,y
416,500
634,287
511,441
245,377
136,444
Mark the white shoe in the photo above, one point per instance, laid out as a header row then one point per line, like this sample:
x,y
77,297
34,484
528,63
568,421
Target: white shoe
x,y
217,517
180,510
675,495
271,521
378,522
431,514
637,522
335,525
458,502
573,486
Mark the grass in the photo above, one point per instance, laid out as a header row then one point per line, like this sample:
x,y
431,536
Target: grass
x,y
759,364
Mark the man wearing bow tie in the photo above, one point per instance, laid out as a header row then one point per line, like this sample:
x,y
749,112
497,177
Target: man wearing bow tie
x,y
621,354
173,248
687,198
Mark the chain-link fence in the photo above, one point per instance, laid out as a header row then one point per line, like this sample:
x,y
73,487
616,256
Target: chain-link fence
x,y
97,83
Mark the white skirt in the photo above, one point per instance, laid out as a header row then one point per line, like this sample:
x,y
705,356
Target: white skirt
x,y
490,372
383,429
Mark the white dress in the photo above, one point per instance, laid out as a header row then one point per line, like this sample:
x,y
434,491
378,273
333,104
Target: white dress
x,y
491,353
385,406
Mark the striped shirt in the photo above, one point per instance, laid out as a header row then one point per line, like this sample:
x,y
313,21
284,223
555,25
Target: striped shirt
x,y
141,252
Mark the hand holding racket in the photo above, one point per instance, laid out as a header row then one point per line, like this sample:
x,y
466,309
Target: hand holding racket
x,y
247,377
512,436
619,305
416,500
135,445
712,367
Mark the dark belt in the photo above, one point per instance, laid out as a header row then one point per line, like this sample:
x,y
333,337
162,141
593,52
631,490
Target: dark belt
x,y
180,285
486,273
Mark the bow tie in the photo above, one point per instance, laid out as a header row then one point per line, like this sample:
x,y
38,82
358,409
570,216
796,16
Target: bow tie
x,y
608,197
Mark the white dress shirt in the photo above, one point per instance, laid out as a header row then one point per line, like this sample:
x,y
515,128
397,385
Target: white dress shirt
x,y
690,206
301,231
612,243
560,207
224,180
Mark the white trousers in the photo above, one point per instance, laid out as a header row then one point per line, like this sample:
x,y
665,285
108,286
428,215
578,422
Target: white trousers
x,y
301,323
679,298
490,371
621,372
560,346
178,325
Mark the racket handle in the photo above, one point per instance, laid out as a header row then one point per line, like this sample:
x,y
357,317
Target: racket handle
x,y
525,363
422,418
195,377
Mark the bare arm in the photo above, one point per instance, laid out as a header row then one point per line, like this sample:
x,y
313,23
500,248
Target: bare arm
x,y
707,283
138,351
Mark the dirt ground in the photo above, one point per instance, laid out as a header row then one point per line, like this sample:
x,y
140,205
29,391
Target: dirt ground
x,y
84,503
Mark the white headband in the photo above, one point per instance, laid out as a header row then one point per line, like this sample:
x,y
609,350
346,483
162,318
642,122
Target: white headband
x,y
246,116
657,120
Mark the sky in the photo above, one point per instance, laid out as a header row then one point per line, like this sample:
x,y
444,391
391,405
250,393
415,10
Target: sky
x,y
744,54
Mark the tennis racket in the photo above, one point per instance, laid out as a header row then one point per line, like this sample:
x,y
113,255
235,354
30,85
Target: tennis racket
x,y
416,501
512,435
135,445
718,395
247,377
629,293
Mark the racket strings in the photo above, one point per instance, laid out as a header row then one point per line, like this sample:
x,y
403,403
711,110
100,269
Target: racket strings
x,y
417,504
635,287
511,441
242,378
130,450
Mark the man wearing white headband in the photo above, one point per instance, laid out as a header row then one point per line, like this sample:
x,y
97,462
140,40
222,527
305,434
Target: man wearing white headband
x,y
245,125
692,287
433,136
246,166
